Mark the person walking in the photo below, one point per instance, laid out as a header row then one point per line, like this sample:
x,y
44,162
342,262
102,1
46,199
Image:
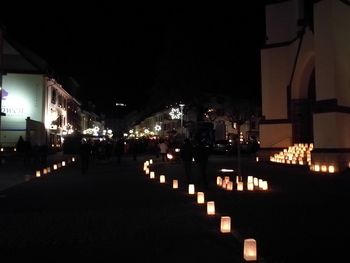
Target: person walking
x,y
163,149
186,153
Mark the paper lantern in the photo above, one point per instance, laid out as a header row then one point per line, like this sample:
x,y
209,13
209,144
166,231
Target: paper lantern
x,y
150,161
44,171
317,168
55,166
238,179
211,208
162,179
48,169
261,183
229,186
249,249
147,170
227,179
73,159
200,198
147,163
63,163
250,186
250,179
331,169
257,159
256,181
240,186
324,168
152,175
265,185
37,174
175,184
59,165
218,180
191,189
225,224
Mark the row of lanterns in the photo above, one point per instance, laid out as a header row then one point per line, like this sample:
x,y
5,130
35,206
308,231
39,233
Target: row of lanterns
x,y
55,167
249,245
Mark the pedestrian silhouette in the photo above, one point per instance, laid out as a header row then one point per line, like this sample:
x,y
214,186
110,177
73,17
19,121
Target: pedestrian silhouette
x,y
186,153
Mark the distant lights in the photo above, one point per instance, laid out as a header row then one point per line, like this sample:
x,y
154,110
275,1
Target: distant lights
x,y
120,104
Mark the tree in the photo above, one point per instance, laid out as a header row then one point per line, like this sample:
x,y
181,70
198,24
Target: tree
x,y
238,112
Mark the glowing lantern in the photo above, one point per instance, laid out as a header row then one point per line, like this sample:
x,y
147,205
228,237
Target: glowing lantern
x,y
238,179
250,179
55,166
151,161
152,175
73,159
211,208
225,224
147,170
218,180
48,169
63,163
37,174
324,168
256,181
191,189
240,186
44,171
229,186
162,179
257,159
249,250
265,185
175,184
200,198
250,186
331,169
227,179
317,168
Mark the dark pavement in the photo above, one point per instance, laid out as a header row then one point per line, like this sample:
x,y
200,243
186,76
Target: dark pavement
x,y
117,213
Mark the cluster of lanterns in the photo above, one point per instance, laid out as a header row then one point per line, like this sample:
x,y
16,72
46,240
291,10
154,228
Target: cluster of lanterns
x,y
54,167
298,154
249,245
253,183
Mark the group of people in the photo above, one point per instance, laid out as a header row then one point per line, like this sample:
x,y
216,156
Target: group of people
x,y
200,154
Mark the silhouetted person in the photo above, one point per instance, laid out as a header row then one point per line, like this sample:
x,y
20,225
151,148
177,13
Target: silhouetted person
x,y
186,153
85,154
202,156
163,149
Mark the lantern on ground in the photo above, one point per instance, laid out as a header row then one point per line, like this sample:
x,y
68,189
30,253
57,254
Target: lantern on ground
x,y
249,250
239,186
63,163
162,179
191,189
229,186
225,224
218,180
151,175
55,166
175,184
211,208
200,198
37,174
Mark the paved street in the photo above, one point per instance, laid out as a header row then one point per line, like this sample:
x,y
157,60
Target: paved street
x,y
116,211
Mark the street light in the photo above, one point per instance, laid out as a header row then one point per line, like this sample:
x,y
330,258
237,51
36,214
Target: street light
x,y
181,109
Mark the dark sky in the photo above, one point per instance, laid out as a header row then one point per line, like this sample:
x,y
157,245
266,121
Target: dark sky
x,y
137,54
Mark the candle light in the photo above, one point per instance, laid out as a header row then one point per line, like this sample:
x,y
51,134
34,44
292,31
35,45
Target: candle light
x,y
191,189
249,249
211,208
225,224
200,198
175,184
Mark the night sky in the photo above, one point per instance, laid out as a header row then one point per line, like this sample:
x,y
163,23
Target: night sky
x,y
141,54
